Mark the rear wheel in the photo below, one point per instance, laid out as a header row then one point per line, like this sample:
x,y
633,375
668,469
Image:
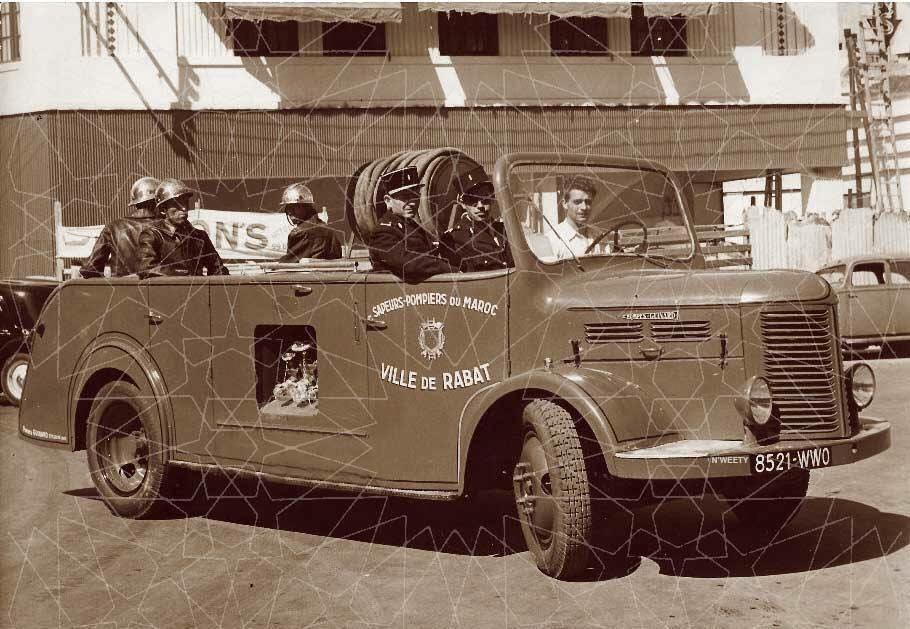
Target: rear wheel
x,y
766,504
126,453
13,377
551,491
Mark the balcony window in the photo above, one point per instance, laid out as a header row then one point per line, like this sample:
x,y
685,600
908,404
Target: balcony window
x,y
353,39
657,36
264,38
464,34
9,32
574,36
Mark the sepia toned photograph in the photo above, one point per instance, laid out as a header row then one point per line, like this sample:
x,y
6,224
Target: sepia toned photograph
x,y
454,314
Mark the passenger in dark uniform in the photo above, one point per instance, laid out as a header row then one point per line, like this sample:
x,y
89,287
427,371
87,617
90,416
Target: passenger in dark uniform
x,y
310,238
171,245
475,242
118,243
399,244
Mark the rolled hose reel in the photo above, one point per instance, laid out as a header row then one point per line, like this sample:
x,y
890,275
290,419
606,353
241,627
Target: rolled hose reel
x,y
437,168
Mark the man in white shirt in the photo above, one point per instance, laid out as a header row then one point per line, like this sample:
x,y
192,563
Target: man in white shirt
x,y
575,233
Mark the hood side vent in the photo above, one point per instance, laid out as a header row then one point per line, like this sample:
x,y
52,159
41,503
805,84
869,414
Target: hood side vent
x,y
680,330
613,332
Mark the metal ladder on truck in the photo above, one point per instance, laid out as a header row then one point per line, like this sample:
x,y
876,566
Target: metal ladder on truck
x,y
870,97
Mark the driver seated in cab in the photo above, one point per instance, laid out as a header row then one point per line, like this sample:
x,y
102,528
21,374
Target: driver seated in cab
x,y
310,237
575,234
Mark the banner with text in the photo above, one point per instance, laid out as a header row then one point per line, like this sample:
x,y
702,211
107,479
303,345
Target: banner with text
x,y
236,235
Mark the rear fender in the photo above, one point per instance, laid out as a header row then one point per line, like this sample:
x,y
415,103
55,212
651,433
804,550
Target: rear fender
x,y
602,400
118,352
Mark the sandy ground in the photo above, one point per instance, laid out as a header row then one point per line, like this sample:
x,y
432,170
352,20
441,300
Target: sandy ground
x,y
275,559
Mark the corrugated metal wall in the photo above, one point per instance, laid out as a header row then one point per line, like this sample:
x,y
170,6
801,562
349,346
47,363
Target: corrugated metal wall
x,y
88,160
26,197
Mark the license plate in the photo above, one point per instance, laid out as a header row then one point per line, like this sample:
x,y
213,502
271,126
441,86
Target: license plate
x,y
804,458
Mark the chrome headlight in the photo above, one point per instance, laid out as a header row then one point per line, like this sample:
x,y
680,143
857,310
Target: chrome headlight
x,y
755,403
861,384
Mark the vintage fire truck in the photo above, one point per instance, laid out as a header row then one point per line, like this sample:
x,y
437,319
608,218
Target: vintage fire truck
x,y
607,359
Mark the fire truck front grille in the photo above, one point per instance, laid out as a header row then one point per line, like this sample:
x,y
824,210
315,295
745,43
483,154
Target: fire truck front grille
x,y
799,364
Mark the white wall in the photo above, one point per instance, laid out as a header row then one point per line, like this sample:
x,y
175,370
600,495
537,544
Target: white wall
x,y
180,60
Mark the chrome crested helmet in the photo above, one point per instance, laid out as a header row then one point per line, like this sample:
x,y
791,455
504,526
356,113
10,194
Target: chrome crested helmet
x,y
143,190
297,202
171,189
296,193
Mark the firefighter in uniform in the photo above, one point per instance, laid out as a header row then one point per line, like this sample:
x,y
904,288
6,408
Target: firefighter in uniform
x,y
475,242
171,245
118,243
310,238
399,244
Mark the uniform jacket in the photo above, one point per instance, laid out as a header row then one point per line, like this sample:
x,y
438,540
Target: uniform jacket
x,y
312,239
476,246
119,243
184,251
400,245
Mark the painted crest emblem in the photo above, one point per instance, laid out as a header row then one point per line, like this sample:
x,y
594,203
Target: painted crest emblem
x,y
431,338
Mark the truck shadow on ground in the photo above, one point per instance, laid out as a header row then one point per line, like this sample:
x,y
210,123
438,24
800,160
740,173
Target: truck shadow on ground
x,y
701,539
694,538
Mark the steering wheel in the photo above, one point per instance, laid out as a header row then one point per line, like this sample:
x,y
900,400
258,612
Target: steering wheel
x,y
615,227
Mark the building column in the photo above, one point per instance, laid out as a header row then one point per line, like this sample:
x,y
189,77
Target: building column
x,y
822,191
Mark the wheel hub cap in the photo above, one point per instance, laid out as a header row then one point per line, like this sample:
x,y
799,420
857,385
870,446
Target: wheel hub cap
x,y
533,491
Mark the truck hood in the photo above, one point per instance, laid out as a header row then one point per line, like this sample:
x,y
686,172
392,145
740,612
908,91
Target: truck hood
x,y
612,289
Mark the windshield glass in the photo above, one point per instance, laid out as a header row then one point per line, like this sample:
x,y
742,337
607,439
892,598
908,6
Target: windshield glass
x,y
834,275
584,211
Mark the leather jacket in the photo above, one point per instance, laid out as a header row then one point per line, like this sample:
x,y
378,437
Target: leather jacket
x,y
118,245
184,250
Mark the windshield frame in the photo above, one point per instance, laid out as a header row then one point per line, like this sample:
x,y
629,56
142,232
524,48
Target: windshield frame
x,y
507,203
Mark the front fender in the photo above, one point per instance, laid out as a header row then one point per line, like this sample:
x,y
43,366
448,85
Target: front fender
x,y
121,353
611,406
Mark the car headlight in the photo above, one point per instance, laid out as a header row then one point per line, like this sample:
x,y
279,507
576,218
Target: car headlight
x,y
861,384
755,404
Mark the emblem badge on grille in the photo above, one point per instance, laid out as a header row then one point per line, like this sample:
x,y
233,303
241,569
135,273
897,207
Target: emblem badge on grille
x,y
663,315
431,339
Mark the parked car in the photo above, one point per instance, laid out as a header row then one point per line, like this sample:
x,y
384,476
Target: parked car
x,y
20,303
621,370
873,294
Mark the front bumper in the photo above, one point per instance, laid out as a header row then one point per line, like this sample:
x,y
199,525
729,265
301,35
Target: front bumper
x,y
718,459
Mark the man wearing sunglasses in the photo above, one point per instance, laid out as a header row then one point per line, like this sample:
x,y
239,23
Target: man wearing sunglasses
x,y
475,242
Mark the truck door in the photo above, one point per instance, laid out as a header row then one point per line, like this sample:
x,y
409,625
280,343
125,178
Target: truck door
x,y
180,343
289,373
432,346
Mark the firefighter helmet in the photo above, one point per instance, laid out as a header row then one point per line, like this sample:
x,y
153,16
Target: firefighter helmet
x,y
297,203
171,189
296,193
143,190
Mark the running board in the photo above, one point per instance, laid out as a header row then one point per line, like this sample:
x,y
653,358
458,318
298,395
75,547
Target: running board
x,y
420,494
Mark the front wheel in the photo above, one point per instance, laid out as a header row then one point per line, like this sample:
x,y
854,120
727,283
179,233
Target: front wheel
x,y
126,453
766,504
13,377
551,491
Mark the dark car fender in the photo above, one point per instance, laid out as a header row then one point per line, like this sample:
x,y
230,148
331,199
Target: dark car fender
x,y
608,404
119,352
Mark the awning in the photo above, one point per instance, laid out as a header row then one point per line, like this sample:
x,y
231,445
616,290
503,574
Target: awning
x,y
561,9
315,11
686,9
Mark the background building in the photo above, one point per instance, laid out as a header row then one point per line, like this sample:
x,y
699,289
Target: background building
x,y
240,99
